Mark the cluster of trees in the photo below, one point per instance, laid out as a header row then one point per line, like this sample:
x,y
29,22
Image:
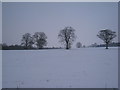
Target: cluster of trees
x,y
38,39
66,36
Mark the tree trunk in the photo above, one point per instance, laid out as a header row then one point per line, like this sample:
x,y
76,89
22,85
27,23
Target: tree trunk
x,y
67,46
40,47
106,45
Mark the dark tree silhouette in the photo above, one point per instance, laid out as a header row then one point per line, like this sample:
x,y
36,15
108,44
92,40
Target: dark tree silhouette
x,y
67,36
78,45
40,39
27,40
107,36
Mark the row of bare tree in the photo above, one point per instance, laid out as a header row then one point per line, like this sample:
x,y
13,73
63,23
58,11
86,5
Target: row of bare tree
x,y
66,37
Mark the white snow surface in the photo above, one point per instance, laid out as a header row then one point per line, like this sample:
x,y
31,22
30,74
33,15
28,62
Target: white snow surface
x,y
59,68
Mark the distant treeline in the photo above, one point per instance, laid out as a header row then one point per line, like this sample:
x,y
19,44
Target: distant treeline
x,y
114,44
19,47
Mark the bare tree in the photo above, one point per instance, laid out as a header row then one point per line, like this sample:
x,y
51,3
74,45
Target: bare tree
x,y
107,36
67,36
27,40
79,45
40,39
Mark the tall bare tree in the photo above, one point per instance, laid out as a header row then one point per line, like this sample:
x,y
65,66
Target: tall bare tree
x,y
27,40
67,36
107,36
40,39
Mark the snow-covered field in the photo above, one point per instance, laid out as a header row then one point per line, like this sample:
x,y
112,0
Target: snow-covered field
x,y
75,68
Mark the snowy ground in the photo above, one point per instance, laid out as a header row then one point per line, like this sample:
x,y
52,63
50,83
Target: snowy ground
x,y
76,68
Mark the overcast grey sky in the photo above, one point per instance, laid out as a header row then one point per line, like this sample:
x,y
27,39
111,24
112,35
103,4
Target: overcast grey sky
x,y
87,18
